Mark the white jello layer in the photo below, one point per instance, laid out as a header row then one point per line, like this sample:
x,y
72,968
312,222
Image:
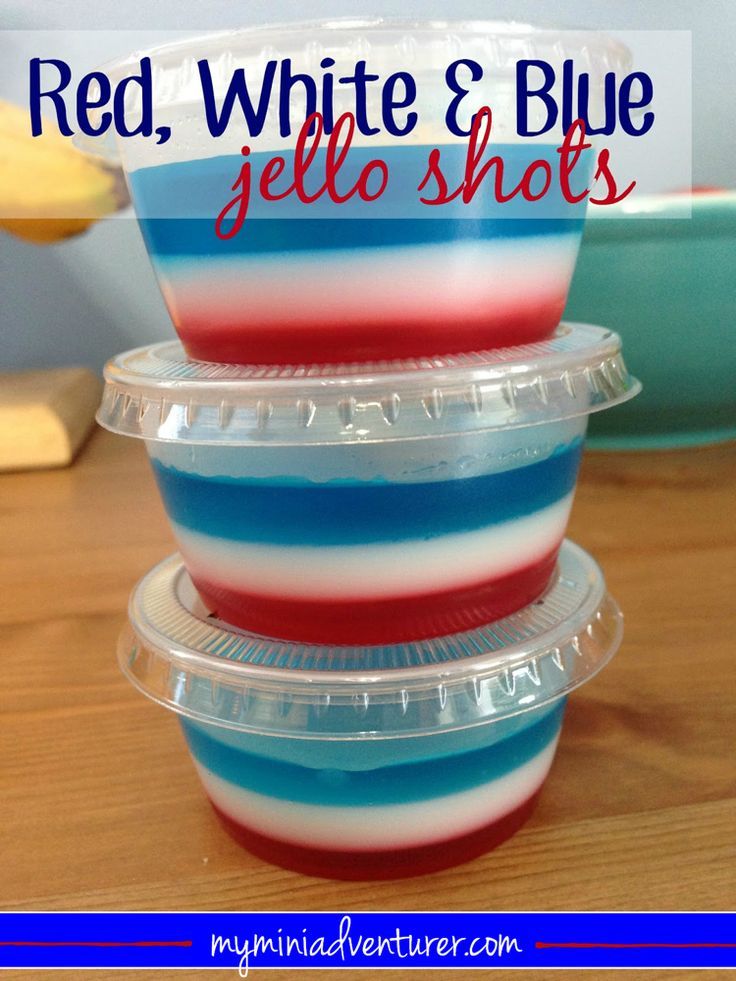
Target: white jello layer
x,y
381,826
430,282
376,570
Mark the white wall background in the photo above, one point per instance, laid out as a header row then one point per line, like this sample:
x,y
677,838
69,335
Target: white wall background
x,y
86,299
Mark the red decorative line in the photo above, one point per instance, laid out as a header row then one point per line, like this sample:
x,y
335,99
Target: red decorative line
x,y
541,945
95,943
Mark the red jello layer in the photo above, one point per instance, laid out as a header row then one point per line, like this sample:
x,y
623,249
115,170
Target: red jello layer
x,y
388,864
386,621
320,341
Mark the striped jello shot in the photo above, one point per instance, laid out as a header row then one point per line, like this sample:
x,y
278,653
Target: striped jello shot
x,y
382,812
329,282
266,254
369,505
371,762
372,543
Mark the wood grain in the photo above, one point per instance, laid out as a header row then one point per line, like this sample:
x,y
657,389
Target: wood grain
x,y
100,808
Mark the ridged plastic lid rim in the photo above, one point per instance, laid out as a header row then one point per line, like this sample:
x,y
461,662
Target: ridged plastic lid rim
x,y
570,634
612,52
156,393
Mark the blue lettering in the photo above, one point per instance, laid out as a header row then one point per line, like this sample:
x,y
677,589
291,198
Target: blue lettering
x,y
85,102
254,118
360,80
145,82
389,102
476,73
328,116
626,104
65,76
287,83
524,93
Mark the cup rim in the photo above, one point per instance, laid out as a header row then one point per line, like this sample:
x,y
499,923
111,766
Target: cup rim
x,y
157,393
614,52
203,669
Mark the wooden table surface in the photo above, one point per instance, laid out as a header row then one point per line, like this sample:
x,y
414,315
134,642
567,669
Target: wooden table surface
x,y
100,807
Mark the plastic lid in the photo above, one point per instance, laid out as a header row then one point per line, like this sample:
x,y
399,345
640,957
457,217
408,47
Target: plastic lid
x,y
500,43
388,44
156,393
178,655
424,48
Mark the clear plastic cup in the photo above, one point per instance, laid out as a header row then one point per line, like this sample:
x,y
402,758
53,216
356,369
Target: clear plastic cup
x,y
358,280
379,762
369,504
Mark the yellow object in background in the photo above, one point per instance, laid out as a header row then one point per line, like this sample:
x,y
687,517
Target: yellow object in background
x,y
49,190
45,416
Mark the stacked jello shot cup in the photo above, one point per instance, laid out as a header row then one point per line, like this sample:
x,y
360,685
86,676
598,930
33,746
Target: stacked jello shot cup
x,y
367,446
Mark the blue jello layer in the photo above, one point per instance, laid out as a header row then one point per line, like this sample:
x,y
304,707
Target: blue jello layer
x,y
448,771
199,189
341,513
169,239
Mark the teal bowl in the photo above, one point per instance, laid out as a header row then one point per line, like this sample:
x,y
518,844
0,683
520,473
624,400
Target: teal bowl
x,y
667,285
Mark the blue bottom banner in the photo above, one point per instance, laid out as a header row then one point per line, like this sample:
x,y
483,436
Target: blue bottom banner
x,y
245,942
